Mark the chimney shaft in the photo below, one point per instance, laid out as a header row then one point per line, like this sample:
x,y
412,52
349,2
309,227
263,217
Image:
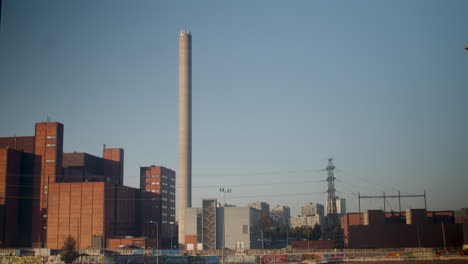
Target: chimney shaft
x,y
185,131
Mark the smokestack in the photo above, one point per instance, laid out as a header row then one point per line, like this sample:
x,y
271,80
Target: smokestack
x,y
185,131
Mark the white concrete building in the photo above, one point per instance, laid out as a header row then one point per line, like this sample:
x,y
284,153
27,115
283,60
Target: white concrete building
x,y
280,215
263,207
309,221
312,209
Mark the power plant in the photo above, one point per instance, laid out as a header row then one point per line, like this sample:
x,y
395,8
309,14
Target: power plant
x,y
184,194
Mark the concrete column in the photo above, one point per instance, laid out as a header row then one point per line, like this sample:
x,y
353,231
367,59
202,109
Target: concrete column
x,y
184,194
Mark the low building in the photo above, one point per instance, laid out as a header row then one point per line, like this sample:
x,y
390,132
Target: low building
x,y
461,216
414,228
213,227
87,209
240,226
132,242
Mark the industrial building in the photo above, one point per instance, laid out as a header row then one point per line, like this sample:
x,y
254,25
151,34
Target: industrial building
x,y
46,195
413,228
90,211
158,204
212,227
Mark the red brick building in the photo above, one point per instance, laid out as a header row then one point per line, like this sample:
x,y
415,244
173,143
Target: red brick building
x,y
414,228
46,195
87,209
40,160
158,192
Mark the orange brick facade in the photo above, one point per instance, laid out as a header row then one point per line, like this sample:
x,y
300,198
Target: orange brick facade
x,y
9,203
87,209
49,147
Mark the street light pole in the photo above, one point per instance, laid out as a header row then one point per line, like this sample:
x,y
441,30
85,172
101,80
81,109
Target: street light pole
x,y
172,224
224,191
157,239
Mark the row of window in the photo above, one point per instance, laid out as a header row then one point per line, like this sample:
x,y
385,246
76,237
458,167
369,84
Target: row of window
x,y
154,191
151,183
151,176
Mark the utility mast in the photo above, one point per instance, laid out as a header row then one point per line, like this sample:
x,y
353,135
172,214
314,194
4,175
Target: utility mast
x,y
333,230
331,202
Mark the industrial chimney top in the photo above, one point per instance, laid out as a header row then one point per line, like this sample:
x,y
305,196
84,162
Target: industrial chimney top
x,y
185,32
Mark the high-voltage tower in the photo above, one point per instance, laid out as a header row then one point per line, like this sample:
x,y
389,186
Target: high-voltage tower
x,y
331,202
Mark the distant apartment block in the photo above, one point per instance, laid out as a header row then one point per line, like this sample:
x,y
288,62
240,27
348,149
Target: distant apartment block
x,y
303,220
280,215
340,206
263,207
312,209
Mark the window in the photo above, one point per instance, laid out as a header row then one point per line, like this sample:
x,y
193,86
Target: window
x,y
50,145
245,229
50,137
49,161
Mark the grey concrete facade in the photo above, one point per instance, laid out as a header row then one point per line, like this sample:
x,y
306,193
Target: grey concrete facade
x,y
234,227
238,227
184,189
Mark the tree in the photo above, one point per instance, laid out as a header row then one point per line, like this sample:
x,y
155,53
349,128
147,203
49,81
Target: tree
x,y
69,252
266,223
316,233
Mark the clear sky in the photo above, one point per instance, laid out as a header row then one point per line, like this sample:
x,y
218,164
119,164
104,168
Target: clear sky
x,y
278,87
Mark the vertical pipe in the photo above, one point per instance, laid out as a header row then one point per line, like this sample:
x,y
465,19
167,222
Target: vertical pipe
x,y
384,203
399,202
443,235
185,130
359,206
359,201
425,205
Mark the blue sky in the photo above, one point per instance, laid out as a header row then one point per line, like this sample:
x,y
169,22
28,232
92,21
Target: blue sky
x,y
278,87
